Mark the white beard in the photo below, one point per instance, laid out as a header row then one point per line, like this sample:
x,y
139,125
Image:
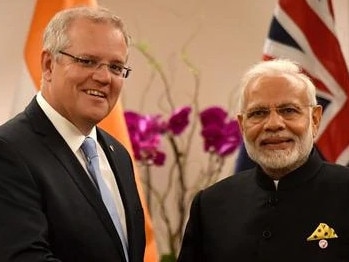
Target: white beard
x,y
288,159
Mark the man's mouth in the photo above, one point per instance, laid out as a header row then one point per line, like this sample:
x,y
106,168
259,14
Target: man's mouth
x,y
94,92
276,143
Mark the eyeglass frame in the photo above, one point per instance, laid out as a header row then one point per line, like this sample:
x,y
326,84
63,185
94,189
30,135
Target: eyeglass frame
x,y
277,109
96,65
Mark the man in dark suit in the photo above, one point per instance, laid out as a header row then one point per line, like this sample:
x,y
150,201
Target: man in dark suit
x,y
292,206
53,208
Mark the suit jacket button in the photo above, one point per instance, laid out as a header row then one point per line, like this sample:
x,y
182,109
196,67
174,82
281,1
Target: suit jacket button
x,y
266,234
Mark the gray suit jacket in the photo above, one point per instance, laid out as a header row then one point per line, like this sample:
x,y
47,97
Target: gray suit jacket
x,y
49,209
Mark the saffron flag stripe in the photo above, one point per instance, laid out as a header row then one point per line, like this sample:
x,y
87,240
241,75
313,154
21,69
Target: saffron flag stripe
x,y
309,37
115,123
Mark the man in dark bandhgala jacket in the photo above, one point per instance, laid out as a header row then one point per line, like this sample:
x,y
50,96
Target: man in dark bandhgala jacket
x,y
293,206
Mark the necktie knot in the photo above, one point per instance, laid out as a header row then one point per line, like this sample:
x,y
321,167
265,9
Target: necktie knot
x,y
89,148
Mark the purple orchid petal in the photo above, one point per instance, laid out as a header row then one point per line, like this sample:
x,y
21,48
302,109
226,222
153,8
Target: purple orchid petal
x,y
159,158
213,115
220,134
145,135
179,120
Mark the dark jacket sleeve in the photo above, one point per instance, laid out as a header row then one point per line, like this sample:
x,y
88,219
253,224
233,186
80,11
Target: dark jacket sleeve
x,y
23,226
192,249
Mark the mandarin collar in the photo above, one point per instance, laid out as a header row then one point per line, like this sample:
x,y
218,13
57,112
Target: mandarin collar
x,y
299,176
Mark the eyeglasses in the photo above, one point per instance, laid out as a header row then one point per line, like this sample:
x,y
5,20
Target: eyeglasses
x,y
287,112
114,68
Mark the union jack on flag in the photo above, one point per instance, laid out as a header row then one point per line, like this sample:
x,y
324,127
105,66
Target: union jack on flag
x,y
304,31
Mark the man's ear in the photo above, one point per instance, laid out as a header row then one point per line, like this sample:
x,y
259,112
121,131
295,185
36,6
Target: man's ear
x,y
316,118
46,65
240,119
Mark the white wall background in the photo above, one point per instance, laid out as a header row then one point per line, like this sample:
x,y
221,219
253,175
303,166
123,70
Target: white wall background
x,y
226,38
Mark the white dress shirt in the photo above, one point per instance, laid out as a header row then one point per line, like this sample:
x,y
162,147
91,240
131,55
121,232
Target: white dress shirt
x,y
74,138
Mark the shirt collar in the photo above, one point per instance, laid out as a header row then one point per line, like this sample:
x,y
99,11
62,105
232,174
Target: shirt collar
x,y
70,133
299,176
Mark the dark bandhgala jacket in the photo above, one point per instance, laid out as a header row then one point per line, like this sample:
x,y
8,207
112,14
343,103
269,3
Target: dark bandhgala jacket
x,y
245,218
49,209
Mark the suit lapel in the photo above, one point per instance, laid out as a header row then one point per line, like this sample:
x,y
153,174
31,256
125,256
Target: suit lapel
x,y
117,166
59,148
121,167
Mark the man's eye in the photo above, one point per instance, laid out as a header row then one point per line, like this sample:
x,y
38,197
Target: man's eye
x,y
116,68
288,110
258,113
86,62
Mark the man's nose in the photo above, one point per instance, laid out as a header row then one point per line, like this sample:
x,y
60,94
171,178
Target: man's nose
x,y
102,73
274,121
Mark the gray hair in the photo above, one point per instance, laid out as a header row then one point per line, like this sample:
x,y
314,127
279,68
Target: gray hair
x,y
276,67
55,36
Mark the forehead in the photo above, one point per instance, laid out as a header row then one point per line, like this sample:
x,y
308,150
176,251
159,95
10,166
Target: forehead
x,y
275,90
95,37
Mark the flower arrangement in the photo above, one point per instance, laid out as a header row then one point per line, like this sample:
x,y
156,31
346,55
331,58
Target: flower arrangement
x,y
165,141
221,137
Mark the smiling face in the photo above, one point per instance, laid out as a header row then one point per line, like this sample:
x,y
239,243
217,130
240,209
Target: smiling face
x,y
278,124
82,95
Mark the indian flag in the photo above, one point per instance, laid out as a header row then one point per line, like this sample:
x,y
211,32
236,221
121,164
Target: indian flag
x,y
30,82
